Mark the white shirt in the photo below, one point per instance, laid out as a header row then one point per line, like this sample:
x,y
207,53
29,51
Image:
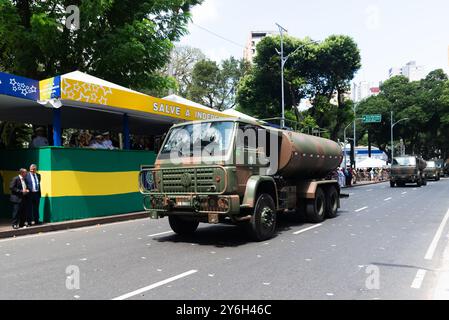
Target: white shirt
x,y
39,142
108,144
22,180
35,182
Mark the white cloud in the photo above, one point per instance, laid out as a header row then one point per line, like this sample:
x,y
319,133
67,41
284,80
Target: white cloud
x,y
218,54
206,12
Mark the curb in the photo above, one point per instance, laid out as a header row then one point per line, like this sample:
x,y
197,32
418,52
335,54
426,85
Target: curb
x,y
72,224
364,184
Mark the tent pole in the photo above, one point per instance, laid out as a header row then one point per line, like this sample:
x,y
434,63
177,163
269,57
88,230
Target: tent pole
x,y
127,144
57,131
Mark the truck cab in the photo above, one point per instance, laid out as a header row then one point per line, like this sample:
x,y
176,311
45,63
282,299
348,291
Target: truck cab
x,y
239,171
408,169
432,171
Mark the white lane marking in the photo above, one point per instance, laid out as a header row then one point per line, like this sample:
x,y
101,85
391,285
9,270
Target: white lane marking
x,y
159,234
369,190
419,278
307,229
155,285
405,192
361,209
388,199
351,194
436,239
442,288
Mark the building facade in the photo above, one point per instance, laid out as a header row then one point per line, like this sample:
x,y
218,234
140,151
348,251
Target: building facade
x,y
411,71
254,38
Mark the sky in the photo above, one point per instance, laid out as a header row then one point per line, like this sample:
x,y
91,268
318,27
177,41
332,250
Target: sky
x,y
388,33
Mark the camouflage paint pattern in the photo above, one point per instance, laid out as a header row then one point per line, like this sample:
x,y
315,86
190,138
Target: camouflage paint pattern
x,y
408,173
301,157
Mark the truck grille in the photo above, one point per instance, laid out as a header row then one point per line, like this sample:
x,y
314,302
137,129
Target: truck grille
x,y
191,180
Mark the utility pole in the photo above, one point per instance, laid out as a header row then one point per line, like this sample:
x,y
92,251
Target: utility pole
x,y
392,127
283,61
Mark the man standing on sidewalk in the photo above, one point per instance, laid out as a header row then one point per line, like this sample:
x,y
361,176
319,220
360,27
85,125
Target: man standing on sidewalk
x,y
19,194
33,180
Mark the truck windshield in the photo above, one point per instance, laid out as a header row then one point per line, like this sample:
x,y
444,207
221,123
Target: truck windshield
x,y
204,139
408,161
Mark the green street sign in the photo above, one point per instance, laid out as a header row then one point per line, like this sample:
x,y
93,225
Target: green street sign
x,y
372,118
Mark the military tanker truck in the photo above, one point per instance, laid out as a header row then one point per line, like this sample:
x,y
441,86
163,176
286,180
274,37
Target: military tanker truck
x,y
408,169
243,172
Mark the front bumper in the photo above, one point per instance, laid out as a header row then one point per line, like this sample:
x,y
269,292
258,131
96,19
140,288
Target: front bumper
x,y
405,178
198,205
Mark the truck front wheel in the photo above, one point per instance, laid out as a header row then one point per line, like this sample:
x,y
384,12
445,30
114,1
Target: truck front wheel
x,y
262,225
183,226
392,184
316,207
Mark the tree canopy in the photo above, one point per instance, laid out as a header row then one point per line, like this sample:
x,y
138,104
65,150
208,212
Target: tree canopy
x,y
424,103
215,85
316,71
124,41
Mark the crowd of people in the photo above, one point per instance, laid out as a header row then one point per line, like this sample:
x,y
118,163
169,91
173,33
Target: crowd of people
x,y
25,198
349,176
85,139
96,140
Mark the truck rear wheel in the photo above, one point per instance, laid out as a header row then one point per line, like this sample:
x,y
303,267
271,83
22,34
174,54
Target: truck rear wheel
x,y
392,184
182,226
316,207
262,225
331,202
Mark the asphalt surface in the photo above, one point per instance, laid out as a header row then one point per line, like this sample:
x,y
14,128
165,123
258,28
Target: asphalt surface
x,y
385,244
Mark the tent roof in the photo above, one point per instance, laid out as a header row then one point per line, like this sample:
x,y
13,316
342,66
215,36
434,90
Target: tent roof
x,y
84,77
230,112
372,163
178,99
235,113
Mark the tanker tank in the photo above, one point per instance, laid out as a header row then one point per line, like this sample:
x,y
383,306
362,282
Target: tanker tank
x,y
304,156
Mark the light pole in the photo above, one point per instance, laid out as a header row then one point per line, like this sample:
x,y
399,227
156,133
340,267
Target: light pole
x,y
392,139
283,62
344,142
355,143
344,138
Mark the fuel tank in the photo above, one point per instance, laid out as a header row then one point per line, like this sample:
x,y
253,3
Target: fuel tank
x,y
307,157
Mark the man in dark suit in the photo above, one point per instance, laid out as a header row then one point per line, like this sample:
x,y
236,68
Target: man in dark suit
x,y
33,180
19,194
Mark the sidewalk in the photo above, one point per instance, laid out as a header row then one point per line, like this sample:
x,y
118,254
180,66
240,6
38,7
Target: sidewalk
x,y
6,231
365,183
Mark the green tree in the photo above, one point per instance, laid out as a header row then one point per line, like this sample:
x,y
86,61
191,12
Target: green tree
x,y
426,105
319,72
214,85
180,67
123,41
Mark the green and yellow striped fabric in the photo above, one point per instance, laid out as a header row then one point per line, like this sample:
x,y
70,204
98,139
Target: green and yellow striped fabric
x,y
79,183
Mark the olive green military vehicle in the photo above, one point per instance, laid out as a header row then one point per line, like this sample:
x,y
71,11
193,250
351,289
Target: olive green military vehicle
x,y
255,173
440,166
408,169
432,171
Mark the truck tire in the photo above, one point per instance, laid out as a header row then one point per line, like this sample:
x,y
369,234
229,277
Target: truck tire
x,y
316,208
331,202
182,226
262,225
424,183
392,184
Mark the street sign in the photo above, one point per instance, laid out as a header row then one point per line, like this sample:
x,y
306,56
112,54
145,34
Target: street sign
x,y
372,118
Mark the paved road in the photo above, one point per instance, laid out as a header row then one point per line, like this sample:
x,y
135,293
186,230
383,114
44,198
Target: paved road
x,y
385,244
